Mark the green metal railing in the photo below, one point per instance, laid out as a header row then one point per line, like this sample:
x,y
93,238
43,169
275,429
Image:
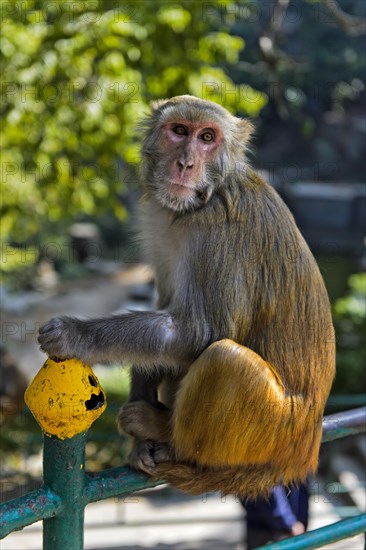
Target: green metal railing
x,y
68,489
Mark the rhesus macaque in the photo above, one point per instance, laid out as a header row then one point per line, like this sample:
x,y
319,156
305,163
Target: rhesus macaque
x,y
232,371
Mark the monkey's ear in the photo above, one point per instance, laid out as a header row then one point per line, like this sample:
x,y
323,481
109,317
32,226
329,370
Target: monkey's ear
x,y
157,103
245,129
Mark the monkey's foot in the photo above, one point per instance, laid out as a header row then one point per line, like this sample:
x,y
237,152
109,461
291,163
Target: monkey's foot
x,y
145,455
144,421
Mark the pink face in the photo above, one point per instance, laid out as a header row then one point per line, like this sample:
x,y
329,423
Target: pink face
x,y
189,146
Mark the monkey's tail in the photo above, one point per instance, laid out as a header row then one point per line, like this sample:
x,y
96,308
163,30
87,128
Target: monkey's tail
x,y
248,482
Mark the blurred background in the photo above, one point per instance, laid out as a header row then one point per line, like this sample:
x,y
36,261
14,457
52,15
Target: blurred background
x,y
76,79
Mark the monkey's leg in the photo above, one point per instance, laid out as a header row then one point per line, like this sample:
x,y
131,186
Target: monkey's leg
x,y
151,431
144,385
232,409
147,420
144,417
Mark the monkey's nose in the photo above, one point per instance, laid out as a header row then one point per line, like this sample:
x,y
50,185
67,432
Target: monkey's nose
x,y
184,165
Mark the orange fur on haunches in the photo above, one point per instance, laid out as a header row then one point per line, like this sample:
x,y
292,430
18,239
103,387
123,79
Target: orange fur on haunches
x,y
235,429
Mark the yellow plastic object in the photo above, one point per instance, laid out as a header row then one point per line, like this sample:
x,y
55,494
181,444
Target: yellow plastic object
x,y
65,397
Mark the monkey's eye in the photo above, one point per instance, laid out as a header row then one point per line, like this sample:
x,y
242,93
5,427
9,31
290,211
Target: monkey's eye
x,y
180,130
207,136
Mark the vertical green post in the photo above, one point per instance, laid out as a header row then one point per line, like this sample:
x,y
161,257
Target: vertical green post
x,y
65,398
64,473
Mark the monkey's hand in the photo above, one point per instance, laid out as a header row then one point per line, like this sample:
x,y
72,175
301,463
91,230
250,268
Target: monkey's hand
x,y
145,421
145,455
62,337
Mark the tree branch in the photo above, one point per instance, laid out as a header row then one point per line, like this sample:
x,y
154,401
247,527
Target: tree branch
x,y
350,23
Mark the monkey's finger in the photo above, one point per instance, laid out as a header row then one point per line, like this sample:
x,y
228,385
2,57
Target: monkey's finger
x,y
53,352
48,339
54,324
46,329
141,457
53,347
147,464
46,342
162,453
134,419
127,421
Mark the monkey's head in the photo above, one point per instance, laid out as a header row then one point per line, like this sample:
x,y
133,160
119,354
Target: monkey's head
x,y
190,148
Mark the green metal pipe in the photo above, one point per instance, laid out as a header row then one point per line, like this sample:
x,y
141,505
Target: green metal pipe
x,y
18,513
64,473
345,423
68,489
323,536
113,482
122,481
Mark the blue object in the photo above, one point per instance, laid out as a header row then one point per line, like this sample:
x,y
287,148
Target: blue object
x,y
283,509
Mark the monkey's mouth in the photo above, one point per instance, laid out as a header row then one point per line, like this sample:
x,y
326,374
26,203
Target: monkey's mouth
x,y
175,184
182,189
192,191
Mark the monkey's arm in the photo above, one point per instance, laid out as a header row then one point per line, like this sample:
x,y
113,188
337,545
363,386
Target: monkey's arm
x,y
144,338
144,385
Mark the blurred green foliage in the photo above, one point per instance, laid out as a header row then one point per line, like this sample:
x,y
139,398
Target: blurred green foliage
x,y
76,76
349,313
